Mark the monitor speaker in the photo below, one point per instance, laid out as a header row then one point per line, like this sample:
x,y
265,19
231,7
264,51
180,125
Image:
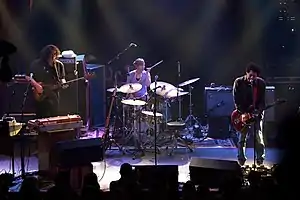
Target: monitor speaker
x,y
78,152
212,173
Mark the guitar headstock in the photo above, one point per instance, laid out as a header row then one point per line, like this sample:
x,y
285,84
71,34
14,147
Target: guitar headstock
x,y
21,78
280,101
89,75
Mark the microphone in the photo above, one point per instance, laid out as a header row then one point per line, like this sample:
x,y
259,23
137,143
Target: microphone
x,y
133,45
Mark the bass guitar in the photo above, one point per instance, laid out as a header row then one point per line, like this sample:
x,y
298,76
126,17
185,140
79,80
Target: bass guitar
x,y
241,121
55,87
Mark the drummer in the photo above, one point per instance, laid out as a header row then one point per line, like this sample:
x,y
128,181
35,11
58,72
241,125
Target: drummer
x,y
142,76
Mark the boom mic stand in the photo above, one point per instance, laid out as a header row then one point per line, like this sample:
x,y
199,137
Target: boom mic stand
x,y
121,53
114,94
22,131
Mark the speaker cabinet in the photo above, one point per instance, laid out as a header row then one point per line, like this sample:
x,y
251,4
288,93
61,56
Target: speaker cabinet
x,y
97,95
162,176
78,152
73,100
219,127
219,102
213,173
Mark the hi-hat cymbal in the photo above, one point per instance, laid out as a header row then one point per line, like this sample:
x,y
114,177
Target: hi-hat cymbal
x,y
112,89
175,93
162,87
188,82
130,88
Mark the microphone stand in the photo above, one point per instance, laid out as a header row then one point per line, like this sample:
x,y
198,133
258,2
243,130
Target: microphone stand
x,y
119,54
7,115
22,131
254,129
179,100
155,121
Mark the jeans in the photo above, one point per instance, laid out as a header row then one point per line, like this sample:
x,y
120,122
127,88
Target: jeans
x,y
259,144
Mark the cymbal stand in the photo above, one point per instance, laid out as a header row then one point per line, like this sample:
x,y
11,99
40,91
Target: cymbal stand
x,y
191,120
155,122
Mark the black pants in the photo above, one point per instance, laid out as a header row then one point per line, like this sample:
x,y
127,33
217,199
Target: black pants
x,y
47,108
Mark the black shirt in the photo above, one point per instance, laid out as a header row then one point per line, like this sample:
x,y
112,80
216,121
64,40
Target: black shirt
x,y
243,94
48,76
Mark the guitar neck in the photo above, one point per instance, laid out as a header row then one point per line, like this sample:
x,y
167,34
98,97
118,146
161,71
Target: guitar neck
x,y
76,79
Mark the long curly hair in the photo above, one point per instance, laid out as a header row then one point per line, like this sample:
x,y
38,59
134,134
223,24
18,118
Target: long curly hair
x,y
48,52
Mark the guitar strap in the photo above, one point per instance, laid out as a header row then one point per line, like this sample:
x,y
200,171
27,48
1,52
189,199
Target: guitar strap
x,y
254,95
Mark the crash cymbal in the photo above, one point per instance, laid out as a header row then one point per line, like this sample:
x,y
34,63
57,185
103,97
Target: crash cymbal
x,y
173,94
188,82
130,88
133,102
162,87
112,89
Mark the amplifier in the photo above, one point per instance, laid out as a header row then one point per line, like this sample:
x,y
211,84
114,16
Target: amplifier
x,y
76,92
219,102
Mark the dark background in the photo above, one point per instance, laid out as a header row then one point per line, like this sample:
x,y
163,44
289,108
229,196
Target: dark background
x,y
212,39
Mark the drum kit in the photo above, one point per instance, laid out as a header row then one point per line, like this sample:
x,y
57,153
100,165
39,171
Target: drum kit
x,y
135,118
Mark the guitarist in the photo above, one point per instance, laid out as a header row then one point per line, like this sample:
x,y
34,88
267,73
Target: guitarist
x,y
249,97
47,74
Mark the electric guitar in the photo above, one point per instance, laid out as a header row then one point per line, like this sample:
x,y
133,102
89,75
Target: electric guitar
x,y
58,86
241,121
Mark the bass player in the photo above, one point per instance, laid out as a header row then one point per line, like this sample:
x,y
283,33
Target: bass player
x,y
48,74
249,98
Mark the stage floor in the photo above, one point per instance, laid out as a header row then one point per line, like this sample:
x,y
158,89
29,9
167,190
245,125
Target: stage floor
x,y
108,170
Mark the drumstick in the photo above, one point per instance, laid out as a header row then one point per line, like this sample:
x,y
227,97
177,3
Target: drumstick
x,y
149,68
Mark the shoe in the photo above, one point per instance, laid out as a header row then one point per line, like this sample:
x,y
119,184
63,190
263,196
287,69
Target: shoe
x,y
259,162
241,161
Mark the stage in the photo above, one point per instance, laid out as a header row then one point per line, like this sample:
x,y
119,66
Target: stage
x,y
108,170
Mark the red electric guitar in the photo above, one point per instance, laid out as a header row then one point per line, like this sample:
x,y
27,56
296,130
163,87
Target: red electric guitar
x,y
241,121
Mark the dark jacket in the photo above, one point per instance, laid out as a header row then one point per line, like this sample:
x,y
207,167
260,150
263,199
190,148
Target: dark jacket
x,y
243,94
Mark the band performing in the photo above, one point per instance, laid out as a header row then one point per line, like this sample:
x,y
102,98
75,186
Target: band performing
x,y
139,117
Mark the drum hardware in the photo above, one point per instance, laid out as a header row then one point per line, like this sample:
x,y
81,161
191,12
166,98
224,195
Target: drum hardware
x,y
191,121
133,134
151,129
176,139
